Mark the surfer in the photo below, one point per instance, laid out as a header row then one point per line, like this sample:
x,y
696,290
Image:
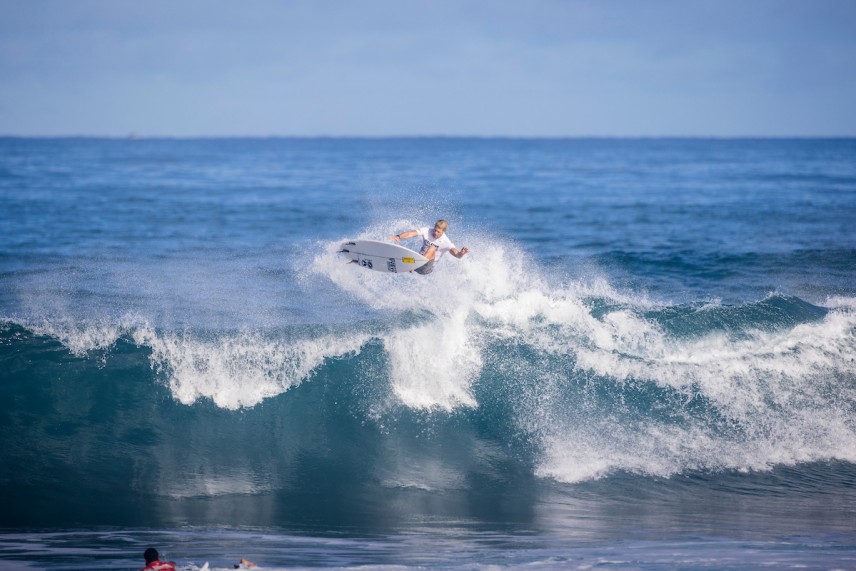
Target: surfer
x,y
435,243
153,562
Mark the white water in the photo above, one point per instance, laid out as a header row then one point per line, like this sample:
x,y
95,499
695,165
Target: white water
x,y
787,394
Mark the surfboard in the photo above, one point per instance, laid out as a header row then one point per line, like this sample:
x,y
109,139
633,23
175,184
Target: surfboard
x,y
382,256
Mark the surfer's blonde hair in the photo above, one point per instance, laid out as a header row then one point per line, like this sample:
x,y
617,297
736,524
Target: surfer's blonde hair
x,y
441,224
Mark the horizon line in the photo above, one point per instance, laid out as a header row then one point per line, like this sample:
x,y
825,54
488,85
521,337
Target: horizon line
x,y
135,136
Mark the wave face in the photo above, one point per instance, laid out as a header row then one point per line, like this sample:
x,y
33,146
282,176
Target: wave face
x,y
669,321
505,383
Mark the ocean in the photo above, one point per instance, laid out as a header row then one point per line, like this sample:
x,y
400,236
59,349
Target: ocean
x,y
647,360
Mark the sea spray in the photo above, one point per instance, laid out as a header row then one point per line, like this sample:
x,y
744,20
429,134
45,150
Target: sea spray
x,y
597,380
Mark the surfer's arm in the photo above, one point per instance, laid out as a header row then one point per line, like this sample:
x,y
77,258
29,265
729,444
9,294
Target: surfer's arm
x,y
459,253
408,234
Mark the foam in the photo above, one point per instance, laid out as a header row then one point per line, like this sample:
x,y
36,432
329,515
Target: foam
x,y
239,370
234,370
433,365
785,393
79,337
595,449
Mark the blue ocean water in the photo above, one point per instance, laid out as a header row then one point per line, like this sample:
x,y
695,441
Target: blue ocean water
x,y
647,360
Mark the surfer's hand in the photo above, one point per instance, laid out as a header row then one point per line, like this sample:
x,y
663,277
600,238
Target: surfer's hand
x,y
464,250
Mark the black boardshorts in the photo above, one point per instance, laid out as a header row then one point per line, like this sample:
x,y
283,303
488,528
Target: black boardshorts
x,y
426,269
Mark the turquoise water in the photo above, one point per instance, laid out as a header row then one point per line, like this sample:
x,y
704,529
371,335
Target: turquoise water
x,y
646,361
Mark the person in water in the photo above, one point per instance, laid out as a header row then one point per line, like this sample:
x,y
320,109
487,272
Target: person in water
x,y
153,562
435,243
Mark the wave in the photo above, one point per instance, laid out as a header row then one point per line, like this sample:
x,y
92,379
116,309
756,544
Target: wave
x,y
563,377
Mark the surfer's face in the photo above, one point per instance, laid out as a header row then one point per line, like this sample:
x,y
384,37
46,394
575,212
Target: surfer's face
x,y
438,231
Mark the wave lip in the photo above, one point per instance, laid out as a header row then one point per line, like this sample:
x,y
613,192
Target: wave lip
x,y
239,370
232,369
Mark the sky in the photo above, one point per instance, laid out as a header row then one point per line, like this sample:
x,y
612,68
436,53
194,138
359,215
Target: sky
x,y
528,68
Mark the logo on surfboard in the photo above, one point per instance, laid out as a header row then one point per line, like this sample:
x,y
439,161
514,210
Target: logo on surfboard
x,y
382,256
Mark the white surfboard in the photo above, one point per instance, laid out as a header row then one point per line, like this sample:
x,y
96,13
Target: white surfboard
x,y
382,256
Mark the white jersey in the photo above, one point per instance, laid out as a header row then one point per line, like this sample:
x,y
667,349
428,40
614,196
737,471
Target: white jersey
x,y
443,243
